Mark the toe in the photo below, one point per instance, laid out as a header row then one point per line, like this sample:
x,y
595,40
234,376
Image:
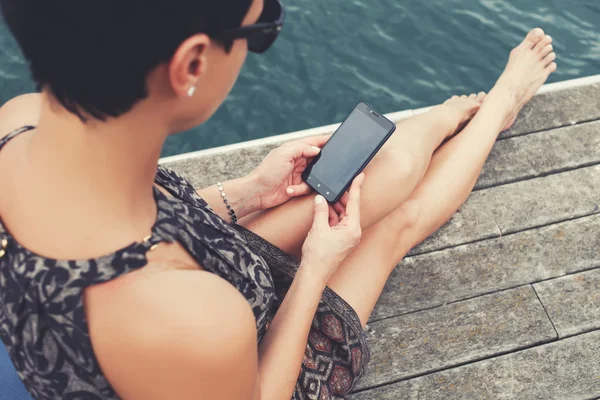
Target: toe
x,y
464,97
551,68
546,40
481,96
549,58
546,50
472,96
534,37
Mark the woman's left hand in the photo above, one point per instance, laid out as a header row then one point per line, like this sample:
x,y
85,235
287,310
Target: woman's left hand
x,y
279,176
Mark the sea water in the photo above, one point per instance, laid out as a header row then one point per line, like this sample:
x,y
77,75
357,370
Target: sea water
x,y
393,54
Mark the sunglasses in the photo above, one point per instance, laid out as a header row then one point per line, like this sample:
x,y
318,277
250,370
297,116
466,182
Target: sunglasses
x,y
263,34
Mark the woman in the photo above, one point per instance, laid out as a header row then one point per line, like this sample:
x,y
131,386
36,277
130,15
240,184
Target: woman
x,y
86,314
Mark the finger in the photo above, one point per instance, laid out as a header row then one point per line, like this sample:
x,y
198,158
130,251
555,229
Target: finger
x,y
353,206
321,217
334,218
339,208
304,150
295,150
318,141
298,190
344,199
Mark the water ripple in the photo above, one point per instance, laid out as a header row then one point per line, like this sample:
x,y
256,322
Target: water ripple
x,y
392,54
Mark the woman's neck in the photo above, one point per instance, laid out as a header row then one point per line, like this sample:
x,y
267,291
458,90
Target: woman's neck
x,y
109,166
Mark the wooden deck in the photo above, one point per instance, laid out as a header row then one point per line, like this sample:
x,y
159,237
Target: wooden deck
x,y
504,301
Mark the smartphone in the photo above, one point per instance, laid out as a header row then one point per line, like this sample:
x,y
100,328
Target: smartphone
x,y
348,152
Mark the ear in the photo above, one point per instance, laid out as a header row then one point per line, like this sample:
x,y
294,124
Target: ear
x,y
189,63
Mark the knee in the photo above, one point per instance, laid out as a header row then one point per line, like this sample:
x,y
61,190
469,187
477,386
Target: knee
x,y
404,221
405,166
400,231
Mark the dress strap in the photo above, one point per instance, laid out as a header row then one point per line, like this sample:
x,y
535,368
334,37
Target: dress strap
x,y
14,133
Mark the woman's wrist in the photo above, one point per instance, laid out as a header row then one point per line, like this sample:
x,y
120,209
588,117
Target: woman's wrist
x,y
312,275
243,195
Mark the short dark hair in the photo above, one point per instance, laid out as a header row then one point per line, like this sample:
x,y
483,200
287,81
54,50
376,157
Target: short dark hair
x,y
94,55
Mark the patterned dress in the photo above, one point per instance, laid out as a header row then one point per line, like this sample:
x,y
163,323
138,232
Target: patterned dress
x,y
43,323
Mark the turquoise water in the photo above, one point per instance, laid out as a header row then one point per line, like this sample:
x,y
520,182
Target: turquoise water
x,y
393,54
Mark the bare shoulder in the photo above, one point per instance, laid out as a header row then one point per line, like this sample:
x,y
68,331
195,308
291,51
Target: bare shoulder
x,y
19,111
187,332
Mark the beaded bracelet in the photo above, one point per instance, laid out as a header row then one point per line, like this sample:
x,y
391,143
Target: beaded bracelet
x,y
232,215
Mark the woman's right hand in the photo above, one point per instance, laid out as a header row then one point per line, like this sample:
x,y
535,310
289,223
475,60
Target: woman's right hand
x,y
326,245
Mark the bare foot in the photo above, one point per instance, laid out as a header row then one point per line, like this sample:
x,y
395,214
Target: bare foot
x,y
463,108
529,66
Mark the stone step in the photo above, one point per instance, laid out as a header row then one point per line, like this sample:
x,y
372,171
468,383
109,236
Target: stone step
x,y
467,271
573,302
439,338
564,370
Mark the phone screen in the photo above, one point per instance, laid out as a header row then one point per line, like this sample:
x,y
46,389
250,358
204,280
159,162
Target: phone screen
x,y
352,145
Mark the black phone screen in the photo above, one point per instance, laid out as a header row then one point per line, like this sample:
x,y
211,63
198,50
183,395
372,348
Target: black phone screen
x,y
359,136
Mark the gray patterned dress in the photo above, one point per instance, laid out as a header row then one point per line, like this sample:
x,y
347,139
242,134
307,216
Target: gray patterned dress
x,y
43,323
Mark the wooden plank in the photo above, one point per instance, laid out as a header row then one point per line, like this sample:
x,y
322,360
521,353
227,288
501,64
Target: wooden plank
x,y
572,302
439,338
530,203
557,109
467,271
519,206
473,222
565,370
539,154
542,201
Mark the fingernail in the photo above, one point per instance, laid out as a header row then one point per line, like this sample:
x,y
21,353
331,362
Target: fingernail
x,y
315,148
290,191
319,199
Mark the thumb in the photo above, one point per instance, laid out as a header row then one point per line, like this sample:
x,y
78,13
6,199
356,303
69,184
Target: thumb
x,y
321,219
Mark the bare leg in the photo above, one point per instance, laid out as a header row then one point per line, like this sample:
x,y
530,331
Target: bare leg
x,y
391,176
452,174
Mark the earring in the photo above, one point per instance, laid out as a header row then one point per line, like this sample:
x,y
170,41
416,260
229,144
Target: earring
x,y
191,91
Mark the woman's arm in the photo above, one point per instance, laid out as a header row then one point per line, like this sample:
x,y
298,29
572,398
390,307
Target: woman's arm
x,y
282,349
276,180
190,335
243,195
174,334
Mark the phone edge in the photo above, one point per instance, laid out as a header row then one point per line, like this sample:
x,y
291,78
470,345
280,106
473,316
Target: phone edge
x,y
361,169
